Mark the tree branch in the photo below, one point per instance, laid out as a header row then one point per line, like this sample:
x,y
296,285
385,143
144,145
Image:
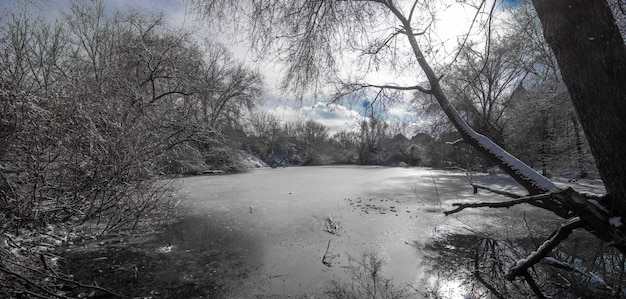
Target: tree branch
x,y
496,191
396,87
521,267
30,282
95,287
502,204
533,285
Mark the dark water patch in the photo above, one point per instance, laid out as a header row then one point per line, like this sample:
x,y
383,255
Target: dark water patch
x,y
197,257
476,266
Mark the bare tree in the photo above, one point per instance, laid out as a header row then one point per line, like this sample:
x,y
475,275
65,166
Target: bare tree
x,y
265,131
346,140
373,131
311,135
482,84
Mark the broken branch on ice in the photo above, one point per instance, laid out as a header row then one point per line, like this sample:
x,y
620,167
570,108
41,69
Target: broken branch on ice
x,y
327,259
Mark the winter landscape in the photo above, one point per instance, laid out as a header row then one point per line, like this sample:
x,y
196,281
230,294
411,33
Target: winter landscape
x,y
312,149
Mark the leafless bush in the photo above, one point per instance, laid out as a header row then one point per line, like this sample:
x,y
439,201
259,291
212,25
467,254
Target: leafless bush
x,y
92,108
366,281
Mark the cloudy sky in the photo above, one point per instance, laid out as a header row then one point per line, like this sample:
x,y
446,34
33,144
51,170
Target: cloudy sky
x,y
451,24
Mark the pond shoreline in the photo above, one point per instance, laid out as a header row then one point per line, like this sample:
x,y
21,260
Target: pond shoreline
x,y
263,234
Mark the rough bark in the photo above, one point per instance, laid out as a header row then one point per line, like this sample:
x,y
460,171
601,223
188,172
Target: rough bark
x,y
580,156
591,55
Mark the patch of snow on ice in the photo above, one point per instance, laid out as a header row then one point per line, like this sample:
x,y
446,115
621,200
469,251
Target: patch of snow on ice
x,y
165,249
616,221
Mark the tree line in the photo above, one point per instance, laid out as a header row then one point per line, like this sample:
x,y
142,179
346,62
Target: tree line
x,y
96,104
511,92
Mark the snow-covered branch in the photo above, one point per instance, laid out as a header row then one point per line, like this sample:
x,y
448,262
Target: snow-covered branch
x,y
521,267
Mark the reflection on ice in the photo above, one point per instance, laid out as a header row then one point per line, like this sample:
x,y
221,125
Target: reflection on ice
x,y
444,287
472,266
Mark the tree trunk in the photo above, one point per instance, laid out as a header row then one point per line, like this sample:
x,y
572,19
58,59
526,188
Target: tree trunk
x,y
591,55
580,155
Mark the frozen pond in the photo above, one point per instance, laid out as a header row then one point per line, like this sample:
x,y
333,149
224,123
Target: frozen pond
x,y
276,220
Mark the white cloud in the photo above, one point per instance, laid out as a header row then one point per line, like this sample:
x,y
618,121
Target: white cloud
x,y
400,113
335,117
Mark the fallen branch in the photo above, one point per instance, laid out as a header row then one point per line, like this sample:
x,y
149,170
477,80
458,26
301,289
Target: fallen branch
x,y
502,204
78,284
324,260
31,283
521,267
36,295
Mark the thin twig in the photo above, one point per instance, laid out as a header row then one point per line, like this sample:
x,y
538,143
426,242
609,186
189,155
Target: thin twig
x,y
530,232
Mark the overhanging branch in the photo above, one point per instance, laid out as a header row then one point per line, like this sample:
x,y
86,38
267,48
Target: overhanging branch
x,y
496,191
397,87
521,267
502,204
595,217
